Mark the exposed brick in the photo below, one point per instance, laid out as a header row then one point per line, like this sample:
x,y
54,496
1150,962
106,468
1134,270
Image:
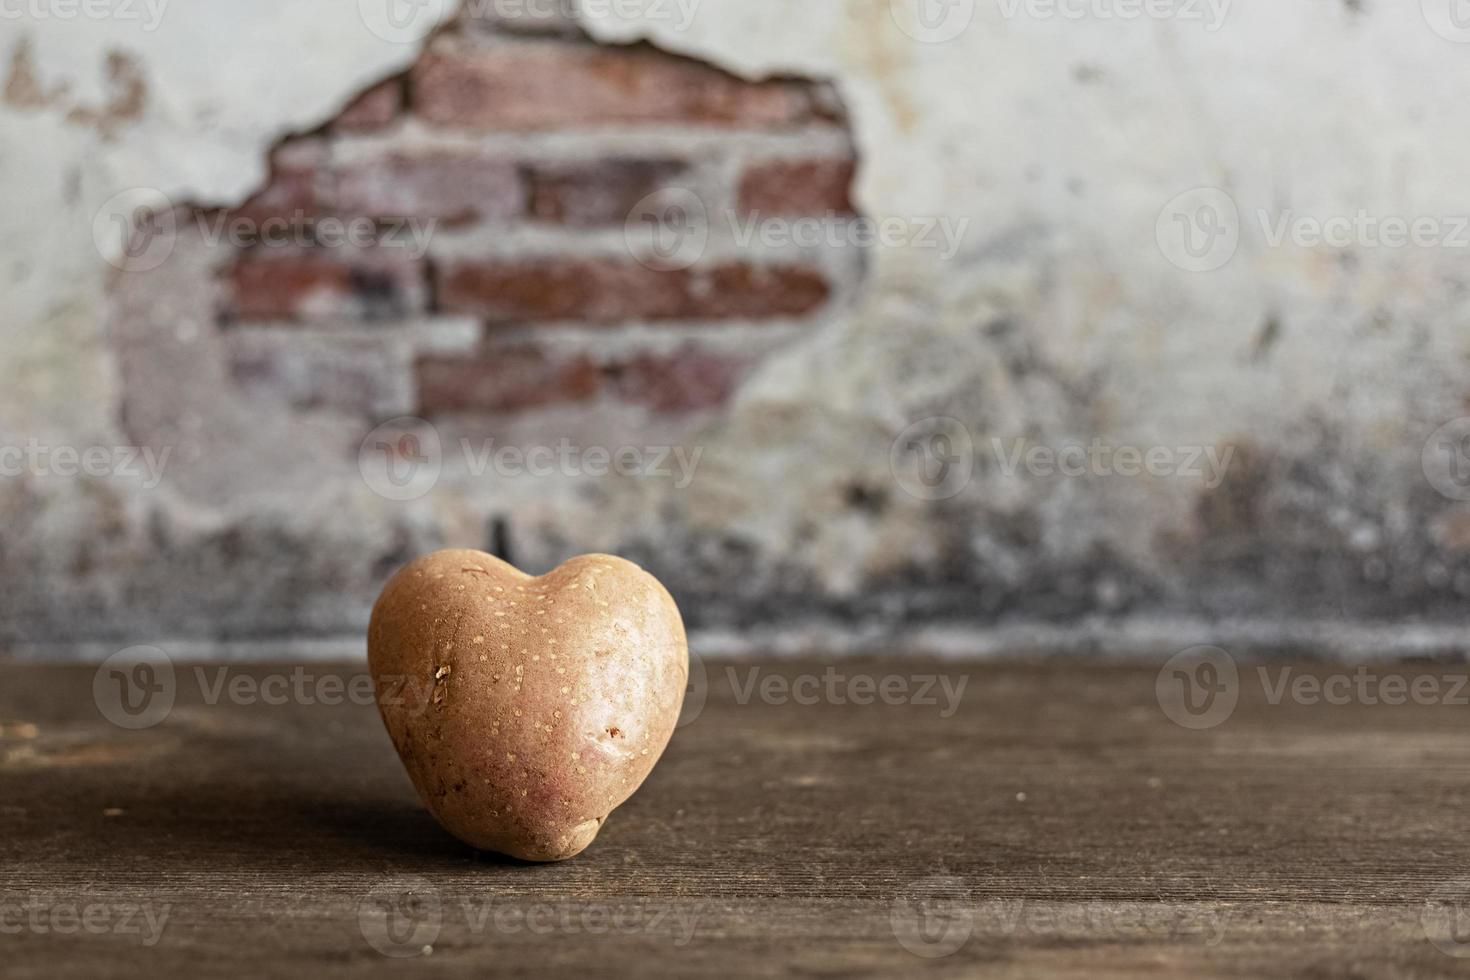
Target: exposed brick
x,y
688,379
816,185
367,373
610,290
505,379
288,284
595,192
450,187
373,109
547,84
294,186
513,376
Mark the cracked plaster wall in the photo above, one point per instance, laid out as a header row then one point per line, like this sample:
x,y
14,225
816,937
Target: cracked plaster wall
x,y
1060,319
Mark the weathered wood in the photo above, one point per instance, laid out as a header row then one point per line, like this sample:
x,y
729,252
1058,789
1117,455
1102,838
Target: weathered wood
x,y
1057,815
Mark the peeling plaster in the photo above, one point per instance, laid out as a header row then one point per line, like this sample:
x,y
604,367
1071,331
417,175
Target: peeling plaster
x,y
1060,141
188,110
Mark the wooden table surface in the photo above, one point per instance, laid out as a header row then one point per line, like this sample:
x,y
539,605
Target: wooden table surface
x,y
1042,819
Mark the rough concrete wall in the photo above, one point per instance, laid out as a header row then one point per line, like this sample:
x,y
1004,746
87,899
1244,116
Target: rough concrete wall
x,y
1116,190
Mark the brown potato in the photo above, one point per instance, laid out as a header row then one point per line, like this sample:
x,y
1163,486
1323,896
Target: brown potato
x,y
526,709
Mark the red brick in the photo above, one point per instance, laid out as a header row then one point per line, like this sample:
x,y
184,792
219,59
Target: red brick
x,y
548,84
612,290
366,373
689,379
507,379
305,285
294,186
374,109
451,187
596,192
811,186
522,375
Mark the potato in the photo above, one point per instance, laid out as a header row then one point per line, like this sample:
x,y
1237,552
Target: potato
x,y
527,709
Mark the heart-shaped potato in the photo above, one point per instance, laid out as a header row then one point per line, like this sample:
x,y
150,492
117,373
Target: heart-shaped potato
x,y
543,703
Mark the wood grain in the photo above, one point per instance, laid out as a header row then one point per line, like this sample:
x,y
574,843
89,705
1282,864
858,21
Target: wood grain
x,y
1056,822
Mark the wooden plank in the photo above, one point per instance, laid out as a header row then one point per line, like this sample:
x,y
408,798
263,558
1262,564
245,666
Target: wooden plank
x,y
1054,821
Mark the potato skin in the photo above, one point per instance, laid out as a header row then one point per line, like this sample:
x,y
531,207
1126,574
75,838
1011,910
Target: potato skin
x,y
526,709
